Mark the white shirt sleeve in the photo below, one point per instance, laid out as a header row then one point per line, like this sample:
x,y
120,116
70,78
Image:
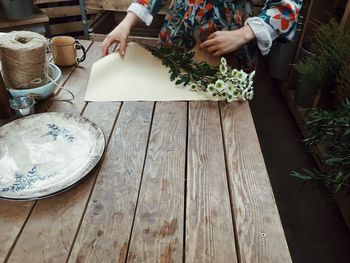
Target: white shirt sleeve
x,y
142,12
264,33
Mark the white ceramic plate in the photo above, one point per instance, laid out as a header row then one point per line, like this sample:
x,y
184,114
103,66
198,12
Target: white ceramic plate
x,y
44,154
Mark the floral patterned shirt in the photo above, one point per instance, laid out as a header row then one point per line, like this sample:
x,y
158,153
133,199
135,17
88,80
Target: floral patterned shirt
x,y
189,20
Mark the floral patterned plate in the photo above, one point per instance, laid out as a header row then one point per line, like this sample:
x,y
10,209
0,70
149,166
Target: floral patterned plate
x,y
44,154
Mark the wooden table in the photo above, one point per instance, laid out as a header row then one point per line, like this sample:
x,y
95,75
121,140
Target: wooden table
x,y
179,182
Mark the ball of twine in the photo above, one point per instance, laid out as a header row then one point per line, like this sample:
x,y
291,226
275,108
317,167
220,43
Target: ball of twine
x,y
23,59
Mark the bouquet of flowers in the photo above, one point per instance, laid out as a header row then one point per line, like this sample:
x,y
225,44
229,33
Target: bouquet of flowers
x,y
222,81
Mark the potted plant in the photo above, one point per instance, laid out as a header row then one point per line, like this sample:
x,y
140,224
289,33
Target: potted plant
x,y
331,46
305,89
331,130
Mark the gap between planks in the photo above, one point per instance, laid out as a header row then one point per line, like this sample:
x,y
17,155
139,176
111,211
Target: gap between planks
x,y
33,203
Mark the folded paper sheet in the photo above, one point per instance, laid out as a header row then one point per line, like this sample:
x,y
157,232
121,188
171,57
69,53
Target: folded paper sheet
x,y
139,76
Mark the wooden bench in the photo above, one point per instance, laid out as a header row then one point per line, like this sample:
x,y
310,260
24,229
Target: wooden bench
x,y
66,16
180,181
38,23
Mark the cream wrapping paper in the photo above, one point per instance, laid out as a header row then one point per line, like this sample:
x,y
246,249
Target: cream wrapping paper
x,y
139,76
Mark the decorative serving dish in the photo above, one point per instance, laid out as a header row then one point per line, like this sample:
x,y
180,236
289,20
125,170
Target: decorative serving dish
x,y
44,154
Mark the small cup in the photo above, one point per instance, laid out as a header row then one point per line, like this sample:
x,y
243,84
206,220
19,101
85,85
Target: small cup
x,y
64,51
22,105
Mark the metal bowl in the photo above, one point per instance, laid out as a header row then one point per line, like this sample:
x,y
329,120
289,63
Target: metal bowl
x,y
22,105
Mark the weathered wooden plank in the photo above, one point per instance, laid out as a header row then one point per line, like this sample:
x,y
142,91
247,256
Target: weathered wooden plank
x,y
209,227
64,11
50,1
12,217
105,230
14,214
54,221
38,18
63,28
77,83
158,229
258,226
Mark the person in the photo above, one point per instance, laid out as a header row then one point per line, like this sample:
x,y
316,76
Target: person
x,y
221,26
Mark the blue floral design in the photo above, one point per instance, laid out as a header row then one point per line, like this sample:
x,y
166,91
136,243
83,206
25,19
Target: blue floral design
x,y
57,132
25,181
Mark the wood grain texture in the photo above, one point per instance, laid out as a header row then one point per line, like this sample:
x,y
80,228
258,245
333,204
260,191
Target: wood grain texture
x,y
105,230
209,227
158,229
54,221
64,11
38,18
44,106
14,214
12,217
70,27
77,83
259,229
50,1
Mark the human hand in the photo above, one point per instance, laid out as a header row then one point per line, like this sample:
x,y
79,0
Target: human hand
x,y
120,34
224,42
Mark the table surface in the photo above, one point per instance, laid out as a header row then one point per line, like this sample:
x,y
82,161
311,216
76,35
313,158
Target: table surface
x,y
179,181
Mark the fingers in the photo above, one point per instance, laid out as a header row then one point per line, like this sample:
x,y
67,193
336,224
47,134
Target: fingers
x,y
219,53
207,43
106,44
213,48
212,35
122,47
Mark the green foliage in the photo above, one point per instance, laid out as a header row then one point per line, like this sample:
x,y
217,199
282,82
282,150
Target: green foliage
x,y
332,130
331,46
343,83
220,82
181,66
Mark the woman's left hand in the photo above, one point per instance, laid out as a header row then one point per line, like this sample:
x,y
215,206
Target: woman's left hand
x,y
223,42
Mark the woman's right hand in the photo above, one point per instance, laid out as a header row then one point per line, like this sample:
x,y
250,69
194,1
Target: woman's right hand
x,y
120,34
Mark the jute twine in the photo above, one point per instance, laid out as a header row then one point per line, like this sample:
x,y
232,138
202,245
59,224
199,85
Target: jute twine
x,y
24,64
23,59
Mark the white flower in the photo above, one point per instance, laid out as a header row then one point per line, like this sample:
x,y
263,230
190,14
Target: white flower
x,y
251,76
236,94
229,87
234,72
223,61
249,95
211,89
193,86
223,69
242,86
229,97
245,92
242,75
220,85
250,84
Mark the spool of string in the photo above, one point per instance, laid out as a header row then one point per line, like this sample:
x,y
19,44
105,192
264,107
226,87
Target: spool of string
x,y
23,59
